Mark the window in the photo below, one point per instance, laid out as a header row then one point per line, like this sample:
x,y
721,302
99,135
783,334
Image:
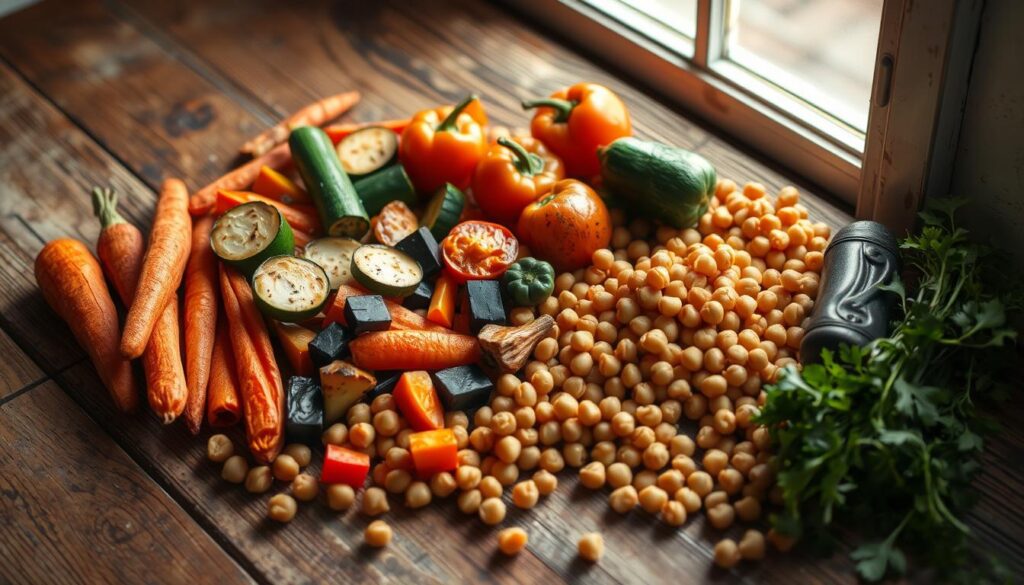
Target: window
x,y
862,97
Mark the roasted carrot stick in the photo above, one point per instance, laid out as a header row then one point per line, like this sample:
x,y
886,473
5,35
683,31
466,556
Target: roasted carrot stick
x,y
200,320
162,268
120,249
401,318
202,201
413,350
259,380
299,217
314,114
71,281
336,132
223,406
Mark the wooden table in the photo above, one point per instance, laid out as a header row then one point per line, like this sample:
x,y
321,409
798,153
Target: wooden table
x,y
110,93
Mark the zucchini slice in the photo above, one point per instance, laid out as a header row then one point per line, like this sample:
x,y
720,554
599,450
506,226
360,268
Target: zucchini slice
x,y
290,289
379,189
367,151
334,255
386,271
340,209
250,233
444,210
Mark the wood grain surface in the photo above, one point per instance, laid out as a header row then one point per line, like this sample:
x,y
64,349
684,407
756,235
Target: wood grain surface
x,y
128,93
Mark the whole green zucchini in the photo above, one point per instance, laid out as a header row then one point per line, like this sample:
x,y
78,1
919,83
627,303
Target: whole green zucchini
x,y
666,183
340,209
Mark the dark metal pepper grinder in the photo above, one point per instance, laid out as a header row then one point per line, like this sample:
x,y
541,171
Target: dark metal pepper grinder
x,y
850,308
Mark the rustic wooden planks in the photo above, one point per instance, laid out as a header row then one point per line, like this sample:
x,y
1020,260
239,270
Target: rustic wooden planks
x,y
17,371
76,509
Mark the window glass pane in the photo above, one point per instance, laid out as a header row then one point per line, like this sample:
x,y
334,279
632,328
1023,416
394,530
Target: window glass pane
x,y
822,51
680,15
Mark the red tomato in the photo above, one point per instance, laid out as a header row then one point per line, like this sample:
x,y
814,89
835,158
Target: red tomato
x,y
345,466
434,451
478,250
417,400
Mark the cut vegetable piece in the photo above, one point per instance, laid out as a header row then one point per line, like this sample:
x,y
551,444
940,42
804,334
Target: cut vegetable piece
x,y
401,318
334,255
417,401
299,216
345,466
367,313
329,345
478,250
420,298
434,451
295,340
305,410
367,151
340,209
386,271
275,185
343,385
423,248
485,304
379,189
290,289
248,234
393,223
463,388
444,210
442,305
386,382
413,350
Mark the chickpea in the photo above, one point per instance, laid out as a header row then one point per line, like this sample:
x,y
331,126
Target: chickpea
x,y
361,434
623,424
505,473
258,480
492,511
591,547
378,534
512,540
619,474
340,496
397,481
546,482
219,448
671,480
689,499
358,413
490,487
525,494
592,475
300,453
281,508
469,501
748,509
673,513
418,495
700,482
551,459
652,498
529,458
385,423
623,499
375,502
721,516
752,545
546,349
656,456
731,481
727,554
235,469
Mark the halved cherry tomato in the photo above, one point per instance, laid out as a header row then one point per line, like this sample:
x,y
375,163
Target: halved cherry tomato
x,y
478,250
394,222
434,451
417,400
345,466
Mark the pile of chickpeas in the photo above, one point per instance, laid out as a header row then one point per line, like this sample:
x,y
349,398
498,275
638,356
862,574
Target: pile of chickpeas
x,y
667,326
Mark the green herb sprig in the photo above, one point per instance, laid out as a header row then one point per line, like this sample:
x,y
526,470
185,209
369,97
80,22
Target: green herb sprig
x,y
885,438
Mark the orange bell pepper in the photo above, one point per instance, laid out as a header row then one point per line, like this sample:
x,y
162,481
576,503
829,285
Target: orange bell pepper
x,y
273,184
566,226
418,402
512,175
575,121
434,451
442,304
444,145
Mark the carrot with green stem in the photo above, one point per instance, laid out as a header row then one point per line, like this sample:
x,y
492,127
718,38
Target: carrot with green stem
x,y
223,405
413,350
71,281
162,268
200,320
203,200
314,114
259,379
120,248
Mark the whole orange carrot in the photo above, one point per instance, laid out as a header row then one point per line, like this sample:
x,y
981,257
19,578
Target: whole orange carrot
x,y
71,281
223,407
314,114
259,379
120,248
200,320
202,201
162,268
407,349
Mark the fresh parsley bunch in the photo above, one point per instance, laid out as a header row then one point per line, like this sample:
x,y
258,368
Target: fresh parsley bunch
x,y
885,438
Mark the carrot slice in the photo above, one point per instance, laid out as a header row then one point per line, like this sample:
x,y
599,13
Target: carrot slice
x,y
417,400
203,200
314,114
434,451
294,341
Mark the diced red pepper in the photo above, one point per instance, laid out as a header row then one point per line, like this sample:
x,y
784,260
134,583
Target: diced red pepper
x,y
417,400
343,465
434,451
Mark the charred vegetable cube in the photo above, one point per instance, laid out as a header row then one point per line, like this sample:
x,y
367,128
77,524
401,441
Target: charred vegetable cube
x,y
305,410
462,387
420,298
343,385
329,345
485,304
367,313
386,381
423,248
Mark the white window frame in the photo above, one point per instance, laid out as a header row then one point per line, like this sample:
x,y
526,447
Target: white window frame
x,y
922,69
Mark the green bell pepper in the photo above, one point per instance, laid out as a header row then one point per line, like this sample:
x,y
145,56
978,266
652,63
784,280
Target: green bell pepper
x,y
528,282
